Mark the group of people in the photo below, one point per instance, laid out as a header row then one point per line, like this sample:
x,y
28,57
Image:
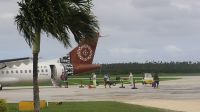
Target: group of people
x,y
107,81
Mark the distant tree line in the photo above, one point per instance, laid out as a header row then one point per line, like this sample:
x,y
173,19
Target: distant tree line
x,y
151,67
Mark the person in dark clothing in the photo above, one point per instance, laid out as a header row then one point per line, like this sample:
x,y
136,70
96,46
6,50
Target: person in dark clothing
x,y
156,80
107,80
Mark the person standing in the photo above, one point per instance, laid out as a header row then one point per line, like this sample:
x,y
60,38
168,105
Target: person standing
x,y
64,78
107,80
131,78
156,80
94,80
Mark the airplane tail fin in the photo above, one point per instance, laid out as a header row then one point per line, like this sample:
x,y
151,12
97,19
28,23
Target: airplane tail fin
x,y
82,56
84,52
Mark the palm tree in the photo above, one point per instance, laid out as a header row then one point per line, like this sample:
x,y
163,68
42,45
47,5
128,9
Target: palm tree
x,y
56,18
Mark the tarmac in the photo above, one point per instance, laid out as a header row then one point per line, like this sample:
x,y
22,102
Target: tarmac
x,y
180,95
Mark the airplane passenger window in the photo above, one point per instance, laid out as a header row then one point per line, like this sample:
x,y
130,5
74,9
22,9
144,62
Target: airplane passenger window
x,y
42,70
2,72
7,72
25,71
16,71
29,71
21,71
46,70
12,72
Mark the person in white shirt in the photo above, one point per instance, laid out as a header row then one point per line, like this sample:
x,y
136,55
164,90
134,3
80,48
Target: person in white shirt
x,y
94,80
131,78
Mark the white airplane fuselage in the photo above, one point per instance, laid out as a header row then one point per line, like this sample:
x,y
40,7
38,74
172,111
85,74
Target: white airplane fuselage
x,y
24,72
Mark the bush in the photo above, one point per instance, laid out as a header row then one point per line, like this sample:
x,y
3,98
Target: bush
x,y
3,106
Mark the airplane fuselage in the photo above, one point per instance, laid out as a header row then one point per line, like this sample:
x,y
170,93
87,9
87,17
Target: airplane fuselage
x,y
24,73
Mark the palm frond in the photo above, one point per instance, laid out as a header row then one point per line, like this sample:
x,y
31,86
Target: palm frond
x,y
56,18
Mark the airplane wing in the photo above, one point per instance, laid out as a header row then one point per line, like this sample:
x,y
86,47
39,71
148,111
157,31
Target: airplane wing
x,y
15,61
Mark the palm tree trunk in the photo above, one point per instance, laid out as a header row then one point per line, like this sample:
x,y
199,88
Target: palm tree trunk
x,y
36,50
36,97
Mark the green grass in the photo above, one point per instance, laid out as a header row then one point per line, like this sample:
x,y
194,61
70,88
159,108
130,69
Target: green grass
x,y
99,106
137,75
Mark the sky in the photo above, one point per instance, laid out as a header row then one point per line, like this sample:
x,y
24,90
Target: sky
x,y
132,30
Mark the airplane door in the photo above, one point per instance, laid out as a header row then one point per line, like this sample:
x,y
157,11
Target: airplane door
x,y
53,72
54,78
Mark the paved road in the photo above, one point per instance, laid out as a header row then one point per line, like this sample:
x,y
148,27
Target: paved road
x,y
182,95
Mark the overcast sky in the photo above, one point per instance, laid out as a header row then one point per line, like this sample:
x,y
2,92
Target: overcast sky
x,y
134,30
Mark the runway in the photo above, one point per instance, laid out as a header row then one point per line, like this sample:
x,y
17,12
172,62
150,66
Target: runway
x,y
181,95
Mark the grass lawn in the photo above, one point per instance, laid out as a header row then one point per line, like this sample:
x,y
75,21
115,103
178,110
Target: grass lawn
x,y
99,106
136,75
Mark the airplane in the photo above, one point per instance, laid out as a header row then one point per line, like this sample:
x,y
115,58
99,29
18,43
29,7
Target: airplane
x,y
79,60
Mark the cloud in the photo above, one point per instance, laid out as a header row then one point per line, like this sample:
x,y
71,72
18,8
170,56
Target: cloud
x,y
181,6
172,49
127,51
7,16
